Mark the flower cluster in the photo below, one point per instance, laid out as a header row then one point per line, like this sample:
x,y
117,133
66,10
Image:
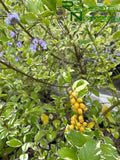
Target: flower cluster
x,y
36,43
77,120
12,19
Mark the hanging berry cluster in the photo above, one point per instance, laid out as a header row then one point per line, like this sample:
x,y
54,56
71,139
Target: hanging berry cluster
x,y
77,120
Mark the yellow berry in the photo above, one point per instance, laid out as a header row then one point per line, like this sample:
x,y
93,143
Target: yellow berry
x,y
85,124
70,92
82,105
73,118
81,120
71,127
79,100
71,96
73,101
76,127
79,111
74,94
73,122
78,124
76,105
85,109
66,130
81,128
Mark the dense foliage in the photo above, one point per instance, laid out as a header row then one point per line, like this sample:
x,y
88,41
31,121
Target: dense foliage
x,y
51,60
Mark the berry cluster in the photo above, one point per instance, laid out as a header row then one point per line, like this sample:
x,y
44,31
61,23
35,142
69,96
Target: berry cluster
x,y
77,120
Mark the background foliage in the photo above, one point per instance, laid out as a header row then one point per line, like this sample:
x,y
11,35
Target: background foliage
x,y
42,53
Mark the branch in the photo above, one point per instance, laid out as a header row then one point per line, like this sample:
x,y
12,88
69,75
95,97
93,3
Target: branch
x,y
25,74
110,108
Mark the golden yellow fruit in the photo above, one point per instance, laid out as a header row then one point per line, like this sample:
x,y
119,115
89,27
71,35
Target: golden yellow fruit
x,y
73,101
71,96
71,127
74,94
79,111
76,127
70,92
76,105
82,105
66,130
73,122
79,100
73,118
81,128
81,120
85,124
78,124
85,109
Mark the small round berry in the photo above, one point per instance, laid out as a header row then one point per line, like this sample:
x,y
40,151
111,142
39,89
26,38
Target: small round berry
x,y
82,105
70,92
78,124
74,94
66,130
73,101
76,127
81,128
85,109
79,100
71,127
72,122
76,105
71,96
73,118
79,111
85,124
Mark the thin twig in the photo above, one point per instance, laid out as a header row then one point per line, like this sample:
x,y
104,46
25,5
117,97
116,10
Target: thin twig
x,y
31,77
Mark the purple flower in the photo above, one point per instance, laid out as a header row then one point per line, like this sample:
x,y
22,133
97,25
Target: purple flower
x,y
44,45
40,41
95,51
13,33
19,45
1,54
118,54
95,61
9,43
12,19
35,41
33,47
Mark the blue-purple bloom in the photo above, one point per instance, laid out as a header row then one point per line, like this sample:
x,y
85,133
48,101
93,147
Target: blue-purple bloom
x,y
33,47
44,45
35,41
12,19
1,54
95,51
13,33
118,54
19,44
9,43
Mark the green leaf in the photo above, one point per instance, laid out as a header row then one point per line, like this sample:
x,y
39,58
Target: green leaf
x,y
109,150
38,136
67,153
45,14
90,3
30,18
51,4
116,35
14,143
26,146
56,123
4,134
76,138
115,2
90,151
24,157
